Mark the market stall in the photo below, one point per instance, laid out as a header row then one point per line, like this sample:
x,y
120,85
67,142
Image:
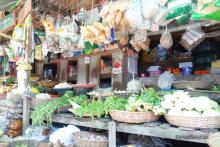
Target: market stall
x,y
149,68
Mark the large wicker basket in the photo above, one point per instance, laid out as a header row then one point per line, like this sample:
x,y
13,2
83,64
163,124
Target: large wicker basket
x,y
193,122
213,140
81,141
134,117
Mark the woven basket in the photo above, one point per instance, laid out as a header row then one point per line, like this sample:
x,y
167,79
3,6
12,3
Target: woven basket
x,y
81,142
194,122
134,117
214,140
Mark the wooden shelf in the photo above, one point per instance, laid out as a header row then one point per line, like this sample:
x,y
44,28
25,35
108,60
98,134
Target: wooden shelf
x,y
106,76
101,53
183,27
148,129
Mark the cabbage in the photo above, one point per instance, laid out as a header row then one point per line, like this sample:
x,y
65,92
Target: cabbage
x,y
211,113
191,113
134,86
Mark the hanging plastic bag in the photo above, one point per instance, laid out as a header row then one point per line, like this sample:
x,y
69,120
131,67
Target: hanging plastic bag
x,y
135,17
165,81
19,32
64,135
150,8
105,10
166,40
48,23
204,10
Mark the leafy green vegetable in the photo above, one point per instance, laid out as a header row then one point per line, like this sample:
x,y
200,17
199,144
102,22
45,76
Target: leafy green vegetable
x,y
43,113
95,108
99,107
216,88
150,96
115,103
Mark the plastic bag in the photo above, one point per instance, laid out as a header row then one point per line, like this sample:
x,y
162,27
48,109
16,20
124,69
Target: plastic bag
x,y
19,32
39,133
178,8
165,80
48,23
206,10
135,17
166,40
105,10
150,8
64,135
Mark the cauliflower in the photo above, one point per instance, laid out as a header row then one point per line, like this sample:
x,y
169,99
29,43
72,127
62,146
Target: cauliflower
x,y
214,104
170,97
211,113
148,107
202,103
179,104
158,110
167,104
175,111
139,104
180,94
188,104
130,107
191,113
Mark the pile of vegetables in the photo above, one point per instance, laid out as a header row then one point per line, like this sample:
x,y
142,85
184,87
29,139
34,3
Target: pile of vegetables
x,y
98,108
43,113
148,101
180,103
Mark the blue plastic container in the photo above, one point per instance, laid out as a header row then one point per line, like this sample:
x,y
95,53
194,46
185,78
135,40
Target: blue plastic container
x,y
186,71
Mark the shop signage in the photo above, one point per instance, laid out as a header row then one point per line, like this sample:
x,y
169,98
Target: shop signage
x,y
117,67
7,22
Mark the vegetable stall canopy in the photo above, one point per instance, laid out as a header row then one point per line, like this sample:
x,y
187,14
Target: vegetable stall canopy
x,y
7,5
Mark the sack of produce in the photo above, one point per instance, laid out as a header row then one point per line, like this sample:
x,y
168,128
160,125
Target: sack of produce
x,y
64,135
39,133
165,80
150,8
166,40
207,9
135,17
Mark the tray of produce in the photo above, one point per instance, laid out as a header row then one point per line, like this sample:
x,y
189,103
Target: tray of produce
x,y
83,88
90,139
62,88
183,110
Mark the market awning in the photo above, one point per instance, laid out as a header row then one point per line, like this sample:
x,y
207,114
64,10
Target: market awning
x,y
7,5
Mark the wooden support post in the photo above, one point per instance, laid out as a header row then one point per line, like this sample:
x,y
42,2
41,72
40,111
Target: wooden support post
x,y
94,70
63,71
26,113
112,134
